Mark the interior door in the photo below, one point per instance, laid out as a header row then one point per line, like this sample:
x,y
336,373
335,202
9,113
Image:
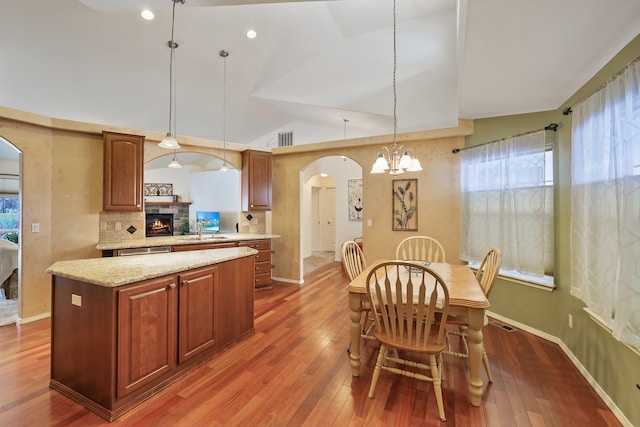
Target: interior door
x,y
329,219
316,219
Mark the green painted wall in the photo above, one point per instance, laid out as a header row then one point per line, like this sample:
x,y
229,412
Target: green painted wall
x,y
612,365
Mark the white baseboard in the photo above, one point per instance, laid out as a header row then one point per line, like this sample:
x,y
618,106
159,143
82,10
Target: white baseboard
x,y
280,279
21,321
607,400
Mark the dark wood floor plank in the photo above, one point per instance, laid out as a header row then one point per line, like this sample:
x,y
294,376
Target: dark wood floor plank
x,y
294,371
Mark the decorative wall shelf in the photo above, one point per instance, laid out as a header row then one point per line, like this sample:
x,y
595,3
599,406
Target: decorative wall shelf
x,y
166,203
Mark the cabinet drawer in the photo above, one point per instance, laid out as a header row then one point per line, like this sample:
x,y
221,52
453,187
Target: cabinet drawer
x,y
263,268
263,279
263,256
260,245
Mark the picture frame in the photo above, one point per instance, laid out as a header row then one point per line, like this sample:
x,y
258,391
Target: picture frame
x,y
404,205
354,194
153,189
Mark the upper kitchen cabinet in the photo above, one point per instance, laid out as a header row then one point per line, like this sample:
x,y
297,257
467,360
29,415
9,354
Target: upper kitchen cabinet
x,y
123,172
256,180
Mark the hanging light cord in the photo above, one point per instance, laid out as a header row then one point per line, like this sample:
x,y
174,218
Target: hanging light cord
x,y
172,45
395,94
224,108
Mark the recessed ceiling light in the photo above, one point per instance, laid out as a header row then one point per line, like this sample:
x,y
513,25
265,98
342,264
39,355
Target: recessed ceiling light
x,y
147,14
251,34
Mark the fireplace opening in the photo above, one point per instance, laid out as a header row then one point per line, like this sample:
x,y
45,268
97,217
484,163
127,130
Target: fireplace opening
x,y
159,224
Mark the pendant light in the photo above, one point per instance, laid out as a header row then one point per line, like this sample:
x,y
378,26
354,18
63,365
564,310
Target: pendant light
x,y
396,160
170,141
224,54
174,164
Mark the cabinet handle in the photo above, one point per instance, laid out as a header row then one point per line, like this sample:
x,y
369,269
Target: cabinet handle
x,y
172,286
185,282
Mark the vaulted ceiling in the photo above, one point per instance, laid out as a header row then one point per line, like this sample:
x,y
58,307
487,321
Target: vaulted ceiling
x,y
312,65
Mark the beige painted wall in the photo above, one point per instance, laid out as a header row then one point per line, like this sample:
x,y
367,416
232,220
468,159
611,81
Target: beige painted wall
x,y
61,172
438,194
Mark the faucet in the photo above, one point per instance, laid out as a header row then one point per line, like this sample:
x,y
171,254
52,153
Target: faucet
x,y
199,224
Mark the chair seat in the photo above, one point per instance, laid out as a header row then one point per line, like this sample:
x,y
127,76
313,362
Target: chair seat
x,y
404,342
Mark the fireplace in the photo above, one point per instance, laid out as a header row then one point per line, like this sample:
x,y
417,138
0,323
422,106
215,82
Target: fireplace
x,y
159,224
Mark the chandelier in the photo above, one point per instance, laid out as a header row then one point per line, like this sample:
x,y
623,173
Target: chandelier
x,y
396,160
170,141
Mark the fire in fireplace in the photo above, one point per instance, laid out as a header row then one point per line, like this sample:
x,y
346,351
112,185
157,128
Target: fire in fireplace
x,y
159,224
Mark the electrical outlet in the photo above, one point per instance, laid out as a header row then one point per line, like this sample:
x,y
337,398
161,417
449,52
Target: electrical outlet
x,y
571,321
76,300
254,221
118,226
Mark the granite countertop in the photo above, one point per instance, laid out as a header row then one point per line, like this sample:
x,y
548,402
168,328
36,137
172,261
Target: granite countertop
x,y
117,271
182,240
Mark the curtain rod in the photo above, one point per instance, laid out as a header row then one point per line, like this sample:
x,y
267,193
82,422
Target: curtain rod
x,y
569,110
550,126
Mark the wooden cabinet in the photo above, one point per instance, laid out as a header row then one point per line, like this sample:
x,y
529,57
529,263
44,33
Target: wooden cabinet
x,y
198,299
263,260
147,333
256,180
123,172
114,347
200,246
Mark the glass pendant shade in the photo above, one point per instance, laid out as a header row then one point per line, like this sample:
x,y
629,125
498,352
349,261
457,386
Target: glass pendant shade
x,y
381,165
174,164
169,142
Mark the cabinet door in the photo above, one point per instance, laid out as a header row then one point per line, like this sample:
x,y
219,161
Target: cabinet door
x,y
198,298
256,180
147,333
123,172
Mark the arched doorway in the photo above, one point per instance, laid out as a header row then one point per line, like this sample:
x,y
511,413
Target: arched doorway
x,y
10,214
325,222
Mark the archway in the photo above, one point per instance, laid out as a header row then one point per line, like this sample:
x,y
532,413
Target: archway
x,y
200,184
10,241
316,192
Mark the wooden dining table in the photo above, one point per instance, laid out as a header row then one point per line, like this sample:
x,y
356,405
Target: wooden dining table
x,y
465,298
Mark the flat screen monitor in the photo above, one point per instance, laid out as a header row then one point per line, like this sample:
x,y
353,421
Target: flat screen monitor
x,y
209,221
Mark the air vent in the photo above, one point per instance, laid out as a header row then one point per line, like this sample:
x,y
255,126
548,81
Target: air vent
x,y
285,139
504,326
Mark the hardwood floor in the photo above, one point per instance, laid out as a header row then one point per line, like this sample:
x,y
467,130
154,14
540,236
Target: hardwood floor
x,y
295,371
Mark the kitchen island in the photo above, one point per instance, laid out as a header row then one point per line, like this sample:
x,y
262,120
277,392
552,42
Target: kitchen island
x,y
259,242
124,328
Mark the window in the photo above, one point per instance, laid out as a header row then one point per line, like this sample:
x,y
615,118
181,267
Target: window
x,y
9,216
605,201
507,203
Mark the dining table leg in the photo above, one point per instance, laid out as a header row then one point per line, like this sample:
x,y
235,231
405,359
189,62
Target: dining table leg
x,y
355,304
476,322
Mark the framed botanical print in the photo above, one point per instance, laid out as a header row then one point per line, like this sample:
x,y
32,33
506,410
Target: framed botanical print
x,y
355,199
405,205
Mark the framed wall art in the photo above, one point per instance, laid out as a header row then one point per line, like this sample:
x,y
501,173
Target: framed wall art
x,y
355,199
404,205
152,189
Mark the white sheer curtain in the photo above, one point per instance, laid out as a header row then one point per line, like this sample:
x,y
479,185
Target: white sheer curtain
x,y
605,204
503,202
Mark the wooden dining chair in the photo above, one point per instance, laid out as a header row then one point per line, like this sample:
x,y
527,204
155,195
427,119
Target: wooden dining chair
x,y
354,262
486,275
406,300
420,248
